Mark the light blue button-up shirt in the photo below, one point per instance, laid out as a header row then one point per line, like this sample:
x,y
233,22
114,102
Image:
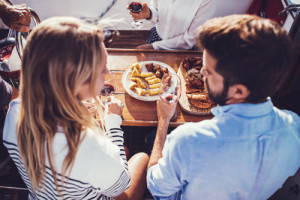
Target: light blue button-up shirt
x,y
246,151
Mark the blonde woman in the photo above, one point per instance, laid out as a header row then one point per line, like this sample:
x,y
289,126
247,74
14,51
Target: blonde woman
x,y
56,144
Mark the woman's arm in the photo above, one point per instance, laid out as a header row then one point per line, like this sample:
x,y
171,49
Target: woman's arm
x,y
113,123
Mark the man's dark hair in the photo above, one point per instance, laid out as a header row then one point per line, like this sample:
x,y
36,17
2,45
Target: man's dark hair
x,y
249,50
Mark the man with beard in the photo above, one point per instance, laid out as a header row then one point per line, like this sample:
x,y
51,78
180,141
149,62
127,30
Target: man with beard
x,y
250,147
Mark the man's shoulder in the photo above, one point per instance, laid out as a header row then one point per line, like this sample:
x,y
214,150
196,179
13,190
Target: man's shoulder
x,y
286,121
205,129
287,117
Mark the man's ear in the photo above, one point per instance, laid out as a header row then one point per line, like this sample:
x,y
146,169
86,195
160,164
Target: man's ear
x,y
237,93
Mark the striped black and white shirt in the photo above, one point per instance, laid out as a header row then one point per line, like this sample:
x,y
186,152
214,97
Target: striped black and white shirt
x,y
100,168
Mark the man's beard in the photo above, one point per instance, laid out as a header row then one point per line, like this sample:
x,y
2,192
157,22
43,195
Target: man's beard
x,y
218,98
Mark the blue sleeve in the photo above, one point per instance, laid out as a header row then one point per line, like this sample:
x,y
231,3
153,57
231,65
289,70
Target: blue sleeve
x,y
171,173
5,93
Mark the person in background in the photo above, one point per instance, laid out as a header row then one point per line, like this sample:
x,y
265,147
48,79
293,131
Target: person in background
x,y
175,22
59,148
5,93
16,17
250,147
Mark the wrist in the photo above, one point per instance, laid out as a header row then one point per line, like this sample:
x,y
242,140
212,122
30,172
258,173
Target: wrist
x,y
150,14
163,126
112,121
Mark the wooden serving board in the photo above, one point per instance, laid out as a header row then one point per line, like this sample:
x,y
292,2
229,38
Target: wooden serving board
x,y
183,100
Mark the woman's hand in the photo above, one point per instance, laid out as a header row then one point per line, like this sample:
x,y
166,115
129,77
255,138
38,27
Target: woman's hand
x,y
113,106
143,14
165,111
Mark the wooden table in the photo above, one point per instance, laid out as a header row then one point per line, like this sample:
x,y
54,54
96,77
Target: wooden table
x,y
137,112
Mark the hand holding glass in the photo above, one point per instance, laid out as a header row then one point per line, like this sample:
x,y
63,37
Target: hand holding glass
x,y
170,90
136,6
109,86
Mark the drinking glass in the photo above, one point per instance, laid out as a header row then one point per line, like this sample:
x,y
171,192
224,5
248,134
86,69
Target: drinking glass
x,y
136,6
109,86
170,90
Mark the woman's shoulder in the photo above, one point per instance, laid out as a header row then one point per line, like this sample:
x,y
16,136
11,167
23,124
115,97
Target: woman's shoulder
x,y
11,120
99,158
97,144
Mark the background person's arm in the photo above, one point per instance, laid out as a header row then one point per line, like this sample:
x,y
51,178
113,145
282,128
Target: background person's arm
x,y
6,93
16,17
187,39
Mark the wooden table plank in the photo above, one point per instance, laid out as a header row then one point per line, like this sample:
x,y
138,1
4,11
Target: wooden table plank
x,y
121,59
142,113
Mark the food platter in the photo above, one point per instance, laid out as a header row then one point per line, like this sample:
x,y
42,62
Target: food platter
x,y
126,80
183,100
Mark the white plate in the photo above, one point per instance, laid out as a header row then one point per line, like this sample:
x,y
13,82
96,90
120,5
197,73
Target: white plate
x,y
126,81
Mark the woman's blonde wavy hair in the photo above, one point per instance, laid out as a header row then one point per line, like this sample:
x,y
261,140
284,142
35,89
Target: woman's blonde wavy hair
x,y
61,54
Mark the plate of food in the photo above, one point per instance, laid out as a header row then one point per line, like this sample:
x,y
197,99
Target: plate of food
x,y
194,98
142,80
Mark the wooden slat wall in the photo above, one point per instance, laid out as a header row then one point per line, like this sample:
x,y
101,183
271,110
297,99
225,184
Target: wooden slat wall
x,y
128,39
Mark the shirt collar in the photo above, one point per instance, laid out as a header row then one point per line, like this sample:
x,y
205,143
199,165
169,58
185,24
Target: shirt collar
x,y
245,109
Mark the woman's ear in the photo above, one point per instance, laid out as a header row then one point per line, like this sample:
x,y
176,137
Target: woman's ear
x,y
83,91
237,93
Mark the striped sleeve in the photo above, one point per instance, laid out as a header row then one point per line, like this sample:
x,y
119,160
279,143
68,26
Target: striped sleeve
x,y
116,136
115,133
121,185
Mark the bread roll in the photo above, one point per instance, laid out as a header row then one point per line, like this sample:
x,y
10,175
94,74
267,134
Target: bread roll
x,y
149,78
135,72
146,74
153,81
156,85
140,91
153,92
132,85
137,66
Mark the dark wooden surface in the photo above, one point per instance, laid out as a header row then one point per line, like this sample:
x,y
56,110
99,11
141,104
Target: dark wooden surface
x,y
127,39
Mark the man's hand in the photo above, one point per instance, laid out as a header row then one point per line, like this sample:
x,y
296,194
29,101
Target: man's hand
x,y
143,14
17,17
165,111
145,46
